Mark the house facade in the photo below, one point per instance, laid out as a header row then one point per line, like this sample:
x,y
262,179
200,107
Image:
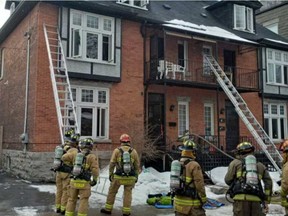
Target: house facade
x,y
133,65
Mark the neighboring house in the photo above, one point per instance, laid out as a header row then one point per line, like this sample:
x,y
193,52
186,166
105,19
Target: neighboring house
x,y
275,18
133,64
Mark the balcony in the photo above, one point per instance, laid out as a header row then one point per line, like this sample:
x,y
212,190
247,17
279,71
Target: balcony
x,y
198,73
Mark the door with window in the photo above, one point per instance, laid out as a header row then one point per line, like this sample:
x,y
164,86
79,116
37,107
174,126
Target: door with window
x,y
206,50
232,126
183,53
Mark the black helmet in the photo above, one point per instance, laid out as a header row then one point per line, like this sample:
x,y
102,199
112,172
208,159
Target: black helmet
x,y
74,139
244,148
69,132
86,143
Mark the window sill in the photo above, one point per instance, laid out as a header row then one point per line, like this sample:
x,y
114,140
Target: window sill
x,y
103,141
277,84
244,30
91,61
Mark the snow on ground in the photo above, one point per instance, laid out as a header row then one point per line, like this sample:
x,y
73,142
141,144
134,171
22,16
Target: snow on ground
x,y
152,182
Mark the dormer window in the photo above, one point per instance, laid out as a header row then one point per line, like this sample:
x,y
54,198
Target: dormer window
x,y
243,18
135,3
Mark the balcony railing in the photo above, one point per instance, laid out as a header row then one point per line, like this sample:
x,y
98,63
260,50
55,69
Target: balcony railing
x,y
199,72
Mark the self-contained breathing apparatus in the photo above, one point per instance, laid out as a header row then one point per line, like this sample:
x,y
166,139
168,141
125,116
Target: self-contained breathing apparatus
x,y
126,167
178,185
78,171
249,182
59,151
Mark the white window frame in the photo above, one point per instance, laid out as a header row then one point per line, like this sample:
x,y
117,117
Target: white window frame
x,y
243,18
183,122
100,31
209,122
273,64
1,63
94,105
268,115
132,3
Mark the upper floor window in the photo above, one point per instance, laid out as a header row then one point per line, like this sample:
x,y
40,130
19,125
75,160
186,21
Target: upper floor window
x,y
135,3
1,63
277,67
243,18
91,37
183,117
272,25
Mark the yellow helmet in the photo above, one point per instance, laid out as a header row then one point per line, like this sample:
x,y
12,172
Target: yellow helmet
x,y
244,148
189,145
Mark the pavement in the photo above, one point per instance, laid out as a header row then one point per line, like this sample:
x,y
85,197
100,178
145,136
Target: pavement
x,y
21,198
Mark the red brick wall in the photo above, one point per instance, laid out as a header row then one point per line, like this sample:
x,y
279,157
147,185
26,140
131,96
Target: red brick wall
x,y
41,114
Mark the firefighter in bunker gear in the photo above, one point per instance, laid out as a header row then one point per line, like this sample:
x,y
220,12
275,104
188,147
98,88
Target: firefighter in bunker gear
x,y
122,176
63,172
284,180
191,196
81,183
248,198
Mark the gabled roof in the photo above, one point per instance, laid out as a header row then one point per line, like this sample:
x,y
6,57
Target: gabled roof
x,y
163,13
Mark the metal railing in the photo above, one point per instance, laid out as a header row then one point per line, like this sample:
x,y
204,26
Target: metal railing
x,y
199,72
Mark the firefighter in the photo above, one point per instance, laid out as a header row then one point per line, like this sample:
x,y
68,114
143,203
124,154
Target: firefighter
x,y
284,180
126,161
247,193
84,175
63,171
191,196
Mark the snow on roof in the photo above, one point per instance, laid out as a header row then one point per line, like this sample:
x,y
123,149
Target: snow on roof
x,y
207,30
276,41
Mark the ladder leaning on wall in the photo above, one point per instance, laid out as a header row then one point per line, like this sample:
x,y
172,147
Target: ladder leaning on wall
x,y
65,107
259,134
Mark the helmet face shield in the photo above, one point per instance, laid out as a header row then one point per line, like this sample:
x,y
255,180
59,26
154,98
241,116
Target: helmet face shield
x,y
125,138
86,144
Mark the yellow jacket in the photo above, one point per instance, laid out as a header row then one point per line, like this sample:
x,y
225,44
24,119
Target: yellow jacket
x,y
284,182
235,172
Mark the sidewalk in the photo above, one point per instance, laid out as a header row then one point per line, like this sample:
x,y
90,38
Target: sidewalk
x,y
22,198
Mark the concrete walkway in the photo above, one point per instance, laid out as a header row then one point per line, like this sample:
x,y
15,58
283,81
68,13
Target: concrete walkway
x,y
18,198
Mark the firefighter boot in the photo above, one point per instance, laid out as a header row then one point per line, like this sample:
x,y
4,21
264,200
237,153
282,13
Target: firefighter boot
x,y
103,210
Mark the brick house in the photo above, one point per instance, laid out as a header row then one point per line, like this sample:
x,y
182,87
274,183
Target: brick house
x,y
131,64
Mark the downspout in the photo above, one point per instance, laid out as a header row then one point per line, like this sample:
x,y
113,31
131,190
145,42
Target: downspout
x,y
165,92
24,136
261,79
146,84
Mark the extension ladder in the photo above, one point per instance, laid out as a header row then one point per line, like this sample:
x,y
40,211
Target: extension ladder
x,y
259,134
60,81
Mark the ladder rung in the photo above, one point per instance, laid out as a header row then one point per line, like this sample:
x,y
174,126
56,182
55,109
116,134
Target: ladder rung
x,y
66,108
72,126
57,83
60,75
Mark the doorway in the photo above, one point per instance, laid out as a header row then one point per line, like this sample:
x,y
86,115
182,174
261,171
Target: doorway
x,y
230,64
232,126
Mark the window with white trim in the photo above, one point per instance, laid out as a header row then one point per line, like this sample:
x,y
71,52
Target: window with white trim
x,y
92,110
209,119
1,63
275,120
183,117
91,36
135,3
243,18
277,67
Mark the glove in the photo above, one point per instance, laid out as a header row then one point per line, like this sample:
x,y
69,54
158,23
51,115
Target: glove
x,y
93,182
265,208
111,177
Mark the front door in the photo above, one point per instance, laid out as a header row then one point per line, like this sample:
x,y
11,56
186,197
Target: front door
x,y
232,126
156,117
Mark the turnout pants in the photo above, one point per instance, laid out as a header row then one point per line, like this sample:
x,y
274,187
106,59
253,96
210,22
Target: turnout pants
x,y
62,188
84,194
247,208
113,189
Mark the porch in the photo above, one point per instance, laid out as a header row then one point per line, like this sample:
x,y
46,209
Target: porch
x,y
198,73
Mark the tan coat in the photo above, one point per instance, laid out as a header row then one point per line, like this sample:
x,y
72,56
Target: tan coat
x,y
284,183
193,178
235,171
115,161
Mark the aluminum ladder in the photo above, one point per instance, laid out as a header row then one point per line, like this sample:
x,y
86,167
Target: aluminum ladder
x,y
65,107
259,134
